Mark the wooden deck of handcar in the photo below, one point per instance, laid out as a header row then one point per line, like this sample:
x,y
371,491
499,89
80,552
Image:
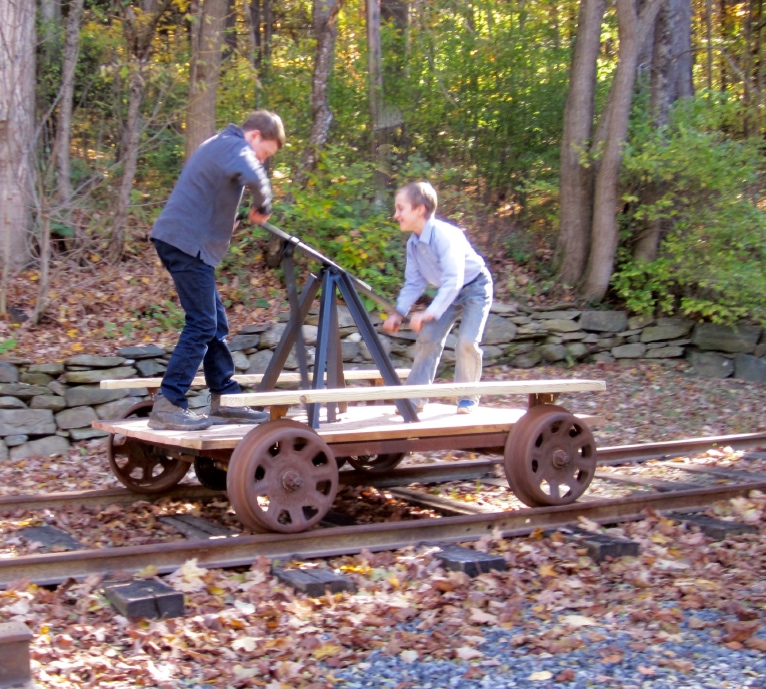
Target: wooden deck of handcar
x,y
367,423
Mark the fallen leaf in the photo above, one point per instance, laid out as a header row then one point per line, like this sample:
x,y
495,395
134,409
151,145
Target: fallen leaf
x,y
468,653
409,656
540,676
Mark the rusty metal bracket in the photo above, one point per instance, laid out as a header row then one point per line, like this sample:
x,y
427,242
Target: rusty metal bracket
x,y
538,398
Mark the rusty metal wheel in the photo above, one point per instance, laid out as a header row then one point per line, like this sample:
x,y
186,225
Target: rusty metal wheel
x,y
282,477
376,464
143,468
209,473
550,457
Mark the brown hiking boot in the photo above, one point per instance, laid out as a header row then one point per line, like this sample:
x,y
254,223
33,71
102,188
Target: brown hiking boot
x,y
166,416
220,413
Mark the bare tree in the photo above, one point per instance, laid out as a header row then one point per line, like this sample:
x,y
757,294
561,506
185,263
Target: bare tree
x,y
576,186
208,23
261,24
670,56
17,82
634,27
326,31
325,16
64,121
138,27
384,117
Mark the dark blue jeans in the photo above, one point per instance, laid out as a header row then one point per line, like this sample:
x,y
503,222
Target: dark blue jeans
x,y
203,338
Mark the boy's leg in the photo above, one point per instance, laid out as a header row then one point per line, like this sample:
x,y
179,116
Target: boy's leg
x,y
218,365
195,284
428,350
475,300
194,281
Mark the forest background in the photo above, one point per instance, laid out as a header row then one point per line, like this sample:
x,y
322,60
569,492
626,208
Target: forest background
x,y
600,153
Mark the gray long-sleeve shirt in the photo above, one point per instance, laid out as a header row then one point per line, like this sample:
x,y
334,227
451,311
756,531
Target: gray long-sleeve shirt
x,y
200,213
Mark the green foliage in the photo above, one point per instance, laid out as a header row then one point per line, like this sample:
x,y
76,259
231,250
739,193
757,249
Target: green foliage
x,y
711,260
7,344
489,102
337,214
168,315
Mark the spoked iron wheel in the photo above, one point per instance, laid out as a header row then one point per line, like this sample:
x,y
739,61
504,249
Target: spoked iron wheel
x,y
550,457
143,468
376,464
282,477
209,474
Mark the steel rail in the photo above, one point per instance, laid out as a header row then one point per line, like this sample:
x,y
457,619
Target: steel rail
x,y
242,550
467,470
99,498
673,448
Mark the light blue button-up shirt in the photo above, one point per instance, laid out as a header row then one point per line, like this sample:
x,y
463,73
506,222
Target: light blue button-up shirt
x,y
443,257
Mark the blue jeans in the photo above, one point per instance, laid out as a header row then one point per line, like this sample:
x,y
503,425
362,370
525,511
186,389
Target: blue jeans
x,y
472,304
203,338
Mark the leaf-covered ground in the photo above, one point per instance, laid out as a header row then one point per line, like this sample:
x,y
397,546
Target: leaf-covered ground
x,y
245,629
648,621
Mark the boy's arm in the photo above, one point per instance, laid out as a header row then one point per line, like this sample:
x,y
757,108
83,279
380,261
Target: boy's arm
x,y
250,172
414,284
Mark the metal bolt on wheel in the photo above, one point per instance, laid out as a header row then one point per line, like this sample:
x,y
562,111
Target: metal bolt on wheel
x,y
550,457
143,468
282,477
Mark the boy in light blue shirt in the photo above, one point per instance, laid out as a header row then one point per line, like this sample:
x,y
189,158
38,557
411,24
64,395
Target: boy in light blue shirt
x,y
439,254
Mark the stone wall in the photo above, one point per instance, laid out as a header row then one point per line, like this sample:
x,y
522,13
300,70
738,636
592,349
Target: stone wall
x,y
45,407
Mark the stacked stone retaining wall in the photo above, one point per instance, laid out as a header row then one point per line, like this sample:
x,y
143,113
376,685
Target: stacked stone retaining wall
x,y
44,407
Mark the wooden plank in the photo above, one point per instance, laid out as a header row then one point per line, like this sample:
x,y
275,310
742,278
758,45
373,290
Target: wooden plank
x,y
434,391
249,379
370,422
358,423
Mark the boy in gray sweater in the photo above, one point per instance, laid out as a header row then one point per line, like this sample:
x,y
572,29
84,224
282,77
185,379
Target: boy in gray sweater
x,y
191,236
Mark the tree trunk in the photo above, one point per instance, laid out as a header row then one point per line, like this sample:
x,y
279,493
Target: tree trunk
x,y
131,138
64,121
138,32
205,70
230,30
671,80
576,186
633,30
261,20
374,69
326,30
383,117
50,20
17,85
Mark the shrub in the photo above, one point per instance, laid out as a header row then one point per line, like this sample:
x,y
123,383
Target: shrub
x,y
710,261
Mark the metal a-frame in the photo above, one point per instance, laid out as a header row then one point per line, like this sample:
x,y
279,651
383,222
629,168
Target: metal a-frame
x,y
332,280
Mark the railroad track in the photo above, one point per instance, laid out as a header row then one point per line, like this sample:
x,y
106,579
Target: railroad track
x,y
215,546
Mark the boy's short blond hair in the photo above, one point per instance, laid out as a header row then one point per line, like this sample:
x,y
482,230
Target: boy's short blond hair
x,y
421,194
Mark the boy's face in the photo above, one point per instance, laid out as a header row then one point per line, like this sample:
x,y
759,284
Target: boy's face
x,y
410,218
263,148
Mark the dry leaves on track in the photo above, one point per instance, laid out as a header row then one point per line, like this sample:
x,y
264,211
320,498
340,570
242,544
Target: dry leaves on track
x,y
246,629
